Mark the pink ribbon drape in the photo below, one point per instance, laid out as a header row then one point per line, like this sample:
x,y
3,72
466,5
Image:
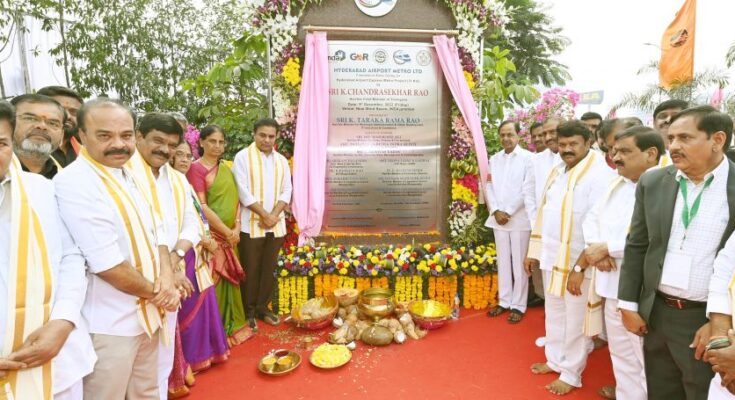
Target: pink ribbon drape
x,y
446,49
310,147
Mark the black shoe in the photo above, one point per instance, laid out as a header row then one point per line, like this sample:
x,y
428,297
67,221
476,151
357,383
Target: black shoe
x,y
269,318
536,302
252,324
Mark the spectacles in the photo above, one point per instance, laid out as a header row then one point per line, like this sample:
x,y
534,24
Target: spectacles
x,y
35,119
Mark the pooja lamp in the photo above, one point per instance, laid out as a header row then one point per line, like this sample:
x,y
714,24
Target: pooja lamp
x,y
376,303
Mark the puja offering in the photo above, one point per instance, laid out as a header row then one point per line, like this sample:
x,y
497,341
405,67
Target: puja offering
x,y
316,313
376,302
346,296
429,314
279,362
329,356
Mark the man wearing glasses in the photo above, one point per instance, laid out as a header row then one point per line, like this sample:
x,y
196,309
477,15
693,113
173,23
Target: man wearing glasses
x,y
39,130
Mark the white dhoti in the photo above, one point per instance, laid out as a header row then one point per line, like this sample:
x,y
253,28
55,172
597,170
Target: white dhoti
x,y
626,352
511,249
166,355
566,346
717,391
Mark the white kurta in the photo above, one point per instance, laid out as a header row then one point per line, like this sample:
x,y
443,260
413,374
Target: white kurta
x,y
241,170
543,162
511,190
76,358
94,222
566,346
190,232
608,222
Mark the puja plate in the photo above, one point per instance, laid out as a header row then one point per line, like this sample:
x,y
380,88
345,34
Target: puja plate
x,y
277,369
311,359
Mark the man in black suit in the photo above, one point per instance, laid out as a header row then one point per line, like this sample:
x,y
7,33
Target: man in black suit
x,y
682,218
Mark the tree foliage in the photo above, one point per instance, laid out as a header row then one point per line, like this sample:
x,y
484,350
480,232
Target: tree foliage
x,y
692,91
141,50
232,92
533,41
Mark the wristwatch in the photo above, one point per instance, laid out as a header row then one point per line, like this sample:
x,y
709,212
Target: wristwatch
x,y
180,253
577,268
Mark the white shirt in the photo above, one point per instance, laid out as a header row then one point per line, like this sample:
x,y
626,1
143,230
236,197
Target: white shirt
x,y
97,228
243,184
609,222
724,268
587,192
511,189
543,162
76,358
190,225
704,234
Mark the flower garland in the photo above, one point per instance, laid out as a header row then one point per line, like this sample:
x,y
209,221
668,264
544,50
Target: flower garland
x,y
192,137
409,288
293,291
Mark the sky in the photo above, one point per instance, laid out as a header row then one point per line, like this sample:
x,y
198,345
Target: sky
x,y
608,42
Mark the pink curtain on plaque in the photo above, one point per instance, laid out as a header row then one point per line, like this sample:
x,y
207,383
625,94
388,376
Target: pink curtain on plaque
x,y
446,49
310,147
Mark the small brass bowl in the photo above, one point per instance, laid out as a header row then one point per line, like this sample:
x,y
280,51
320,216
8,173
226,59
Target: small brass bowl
x,y
346,296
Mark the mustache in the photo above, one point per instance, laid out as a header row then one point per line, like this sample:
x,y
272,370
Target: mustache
x,y
40,133
120,151
619,163
161,154
675,153
568,153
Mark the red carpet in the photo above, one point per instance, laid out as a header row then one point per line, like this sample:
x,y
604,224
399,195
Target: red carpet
x,y
473,358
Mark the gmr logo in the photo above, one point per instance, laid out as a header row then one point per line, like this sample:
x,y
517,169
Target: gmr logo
x,y
359,57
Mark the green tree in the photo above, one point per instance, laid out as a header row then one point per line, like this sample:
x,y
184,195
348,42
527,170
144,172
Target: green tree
x,y
533,41
232,93
141,50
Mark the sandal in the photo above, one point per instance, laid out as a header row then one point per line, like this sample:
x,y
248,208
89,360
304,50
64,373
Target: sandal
x,y
495,311
607,392
515,316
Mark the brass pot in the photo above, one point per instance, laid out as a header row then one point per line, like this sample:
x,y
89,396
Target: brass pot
x,y
376,302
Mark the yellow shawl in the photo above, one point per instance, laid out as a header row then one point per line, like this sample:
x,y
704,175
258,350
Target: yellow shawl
x,y
141,244
257,187
30,291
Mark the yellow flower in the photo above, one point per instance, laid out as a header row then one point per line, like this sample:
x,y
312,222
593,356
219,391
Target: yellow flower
x,y
355,263
438,268
468,77
374,260
395,270
427,247
474,268
465,264
315,270
374,272
284,272
302,262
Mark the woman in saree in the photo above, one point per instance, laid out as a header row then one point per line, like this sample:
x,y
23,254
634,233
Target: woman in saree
x,y
215,187
200,335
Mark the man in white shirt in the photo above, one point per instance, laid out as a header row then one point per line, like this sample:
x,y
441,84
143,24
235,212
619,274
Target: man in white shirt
x,y
634,151
537,136
130,277
39,130
682,218
510,186
543,162
572,188
156,140
62,339
264,184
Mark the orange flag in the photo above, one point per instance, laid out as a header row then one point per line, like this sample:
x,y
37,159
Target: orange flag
x,y
677,47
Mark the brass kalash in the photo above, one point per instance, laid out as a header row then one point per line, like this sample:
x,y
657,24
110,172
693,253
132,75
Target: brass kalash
x,y
376,303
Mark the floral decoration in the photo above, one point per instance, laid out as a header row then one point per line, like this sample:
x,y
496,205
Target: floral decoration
x,y
556,102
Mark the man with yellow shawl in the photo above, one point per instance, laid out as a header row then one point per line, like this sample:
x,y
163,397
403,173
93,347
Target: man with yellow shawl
x,y
264,182
571,189
169,193
45,345
131,282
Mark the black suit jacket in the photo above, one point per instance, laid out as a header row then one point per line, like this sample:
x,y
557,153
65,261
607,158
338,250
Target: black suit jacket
x,y
650,228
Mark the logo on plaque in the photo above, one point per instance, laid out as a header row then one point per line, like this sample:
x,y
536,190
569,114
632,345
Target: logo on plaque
x,y
375,8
